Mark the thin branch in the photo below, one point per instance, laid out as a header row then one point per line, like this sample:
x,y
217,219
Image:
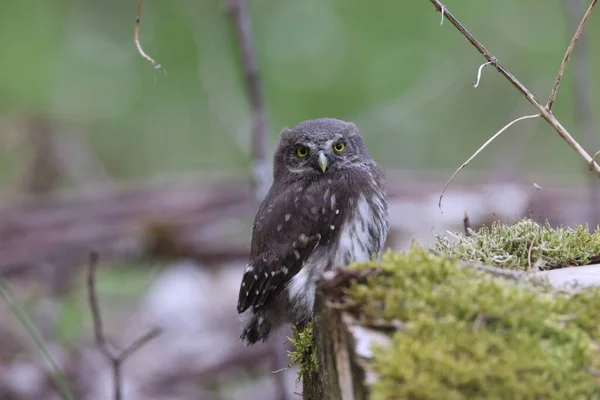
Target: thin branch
x,y
490,140
136,39
544,113
95,309
239,15
115,357
583,98
139,343
567,57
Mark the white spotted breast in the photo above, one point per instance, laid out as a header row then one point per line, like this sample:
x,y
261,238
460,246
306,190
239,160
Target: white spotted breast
x,y
363,233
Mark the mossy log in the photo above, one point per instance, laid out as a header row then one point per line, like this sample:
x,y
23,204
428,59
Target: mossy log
x,y
423,326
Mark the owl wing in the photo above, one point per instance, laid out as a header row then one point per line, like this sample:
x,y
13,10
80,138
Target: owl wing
x,y
288,227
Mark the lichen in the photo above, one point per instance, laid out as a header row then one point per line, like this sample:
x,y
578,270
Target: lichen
x,y
304,354
524,245
465,334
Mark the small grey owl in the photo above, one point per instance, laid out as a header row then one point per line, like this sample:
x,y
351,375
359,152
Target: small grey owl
x,y
326,209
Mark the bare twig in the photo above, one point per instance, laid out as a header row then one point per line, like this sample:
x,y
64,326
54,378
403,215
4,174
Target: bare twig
x,y
543,111
139,343
241,20
114,356
136,39
583,98
490,140
565,60
97,317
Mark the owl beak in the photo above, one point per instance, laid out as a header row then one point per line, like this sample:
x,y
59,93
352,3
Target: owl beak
x,y
322,161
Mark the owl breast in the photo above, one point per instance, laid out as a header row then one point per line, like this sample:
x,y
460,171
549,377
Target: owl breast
x,y
361,237
364,231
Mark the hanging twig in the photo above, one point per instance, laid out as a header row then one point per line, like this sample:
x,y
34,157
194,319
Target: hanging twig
x,y
136,38
479,150
241,20
114,356
476,83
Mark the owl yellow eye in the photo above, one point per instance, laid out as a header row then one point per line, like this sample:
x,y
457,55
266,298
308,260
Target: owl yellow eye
x,y
302,151
339,146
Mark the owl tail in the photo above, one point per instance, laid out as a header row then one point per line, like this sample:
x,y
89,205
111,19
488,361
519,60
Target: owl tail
x,y
256,327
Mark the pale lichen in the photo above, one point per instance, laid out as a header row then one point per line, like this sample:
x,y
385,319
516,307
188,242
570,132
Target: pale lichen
x,y
524,245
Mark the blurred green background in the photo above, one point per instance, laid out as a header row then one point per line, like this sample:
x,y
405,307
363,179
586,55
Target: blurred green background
x,y
388,66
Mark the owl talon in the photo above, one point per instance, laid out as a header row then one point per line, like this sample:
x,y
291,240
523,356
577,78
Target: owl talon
x,y
257,329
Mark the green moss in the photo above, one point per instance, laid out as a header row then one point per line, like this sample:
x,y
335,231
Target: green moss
x,y
466,334
523,245
304,354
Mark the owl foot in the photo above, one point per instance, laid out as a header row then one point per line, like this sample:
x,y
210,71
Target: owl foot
x,y
258,328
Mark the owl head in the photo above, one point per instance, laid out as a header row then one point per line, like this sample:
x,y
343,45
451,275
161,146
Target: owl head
x,y
317,148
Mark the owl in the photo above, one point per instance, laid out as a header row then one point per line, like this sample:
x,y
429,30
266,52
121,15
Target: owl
x,y
326,208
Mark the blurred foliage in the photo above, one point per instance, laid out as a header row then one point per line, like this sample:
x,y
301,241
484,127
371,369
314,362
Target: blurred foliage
x,y
387,66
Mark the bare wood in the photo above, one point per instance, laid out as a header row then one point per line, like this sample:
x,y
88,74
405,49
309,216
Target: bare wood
x,y
567,57
254,91
543,111
339,376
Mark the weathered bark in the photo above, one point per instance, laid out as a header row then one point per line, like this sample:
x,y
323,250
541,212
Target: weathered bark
x,y
342,345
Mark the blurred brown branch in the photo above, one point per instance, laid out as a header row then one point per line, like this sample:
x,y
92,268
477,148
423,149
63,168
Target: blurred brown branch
x,y
114,356
49,237
544,112
239,14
